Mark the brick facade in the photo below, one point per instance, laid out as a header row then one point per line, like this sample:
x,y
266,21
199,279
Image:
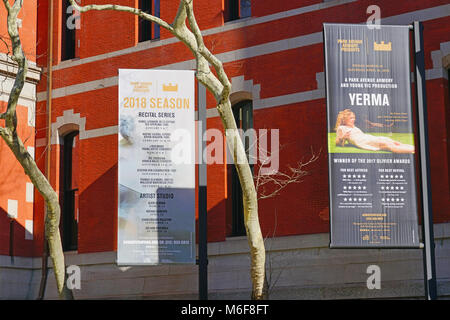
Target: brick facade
x,y
278,50
16,191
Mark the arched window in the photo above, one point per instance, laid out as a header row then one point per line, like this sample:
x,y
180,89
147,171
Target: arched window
x,y
69,190
243,115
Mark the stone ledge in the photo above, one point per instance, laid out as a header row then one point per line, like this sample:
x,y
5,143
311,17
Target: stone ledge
x,y
9,68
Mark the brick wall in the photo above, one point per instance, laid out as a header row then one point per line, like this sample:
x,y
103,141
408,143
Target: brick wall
x,y
16,190
280,50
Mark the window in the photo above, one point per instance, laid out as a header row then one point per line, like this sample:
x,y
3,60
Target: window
x,y
237,9
69,191
243,115
447,111
68,32
148,30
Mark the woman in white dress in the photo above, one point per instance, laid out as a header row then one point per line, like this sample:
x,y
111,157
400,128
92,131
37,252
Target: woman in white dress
x,y
346,131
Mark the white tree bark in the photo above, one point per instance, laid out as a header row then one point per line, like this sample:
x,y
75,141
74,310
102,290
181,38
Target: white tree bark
x,y
220,87
9,135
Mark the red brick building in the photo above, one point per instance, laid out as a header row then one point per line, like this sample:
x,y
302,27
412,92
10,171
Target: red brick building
x,y
17,191
273,55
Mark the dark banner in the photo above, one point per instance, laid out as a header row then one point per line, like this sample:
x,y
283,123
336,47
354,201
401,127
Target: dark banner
x,y
373,201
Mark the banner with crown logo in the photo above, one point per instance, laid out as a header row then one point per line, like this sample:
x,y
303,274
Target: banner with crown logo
x,y
372,186
156,167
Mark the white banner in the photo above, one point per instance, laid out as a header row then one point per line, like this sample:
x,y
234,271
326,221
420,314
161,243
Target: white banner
x,y
156,214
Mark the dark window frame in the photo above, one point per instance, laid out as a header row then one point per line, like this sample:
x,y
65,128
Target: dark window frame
x,y
146,29
236,9
69,223
68,36
447,113
243,115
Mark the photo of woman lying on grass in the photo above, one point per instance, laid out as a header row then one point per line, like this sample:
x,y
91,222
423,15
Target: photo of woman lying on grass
x,y
346,131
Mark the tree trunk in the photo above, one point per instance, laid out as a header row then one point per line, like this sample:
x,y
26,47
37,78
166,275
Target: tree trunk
x,y
53,209
9,135
250,202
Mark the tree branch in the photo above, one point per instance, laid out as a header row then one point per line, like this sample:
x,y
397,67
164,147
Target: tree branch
x,y
19,57
7,5
280,180
116,7
192,39
204,51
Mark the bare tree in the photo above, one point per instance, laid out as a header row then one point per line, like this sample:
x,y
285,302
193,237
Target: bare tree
x,y
13,141
219,85
269,184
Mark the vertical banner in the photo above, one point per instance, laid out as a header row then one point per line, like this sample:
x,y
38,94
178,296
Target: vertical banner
x,y
156,214
373,201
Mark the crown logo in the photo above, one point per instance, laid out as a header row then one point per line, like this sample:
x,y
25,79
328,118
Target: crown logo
x,y
169,87
382,46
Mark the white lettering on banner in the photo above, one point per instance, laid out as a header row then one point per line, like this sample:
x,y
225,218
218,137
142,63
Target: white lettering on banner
x,y
369,99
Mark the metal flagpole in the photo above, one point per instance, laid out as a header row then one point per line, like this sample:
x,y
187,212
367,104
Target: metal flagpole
x,y
202,202
427,217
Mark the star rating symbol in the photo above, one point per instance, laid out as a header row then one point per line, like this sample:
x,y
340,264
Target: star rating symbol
x,y
355,199
392,199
